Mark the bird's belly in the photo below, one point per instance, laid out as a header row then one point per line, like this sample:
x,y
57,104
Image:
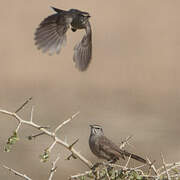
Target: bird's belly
x,y
93,146
95,149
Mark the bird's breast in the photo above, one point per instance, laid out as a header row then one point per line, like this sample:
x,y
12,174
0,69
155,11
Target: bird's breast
x,y
93,145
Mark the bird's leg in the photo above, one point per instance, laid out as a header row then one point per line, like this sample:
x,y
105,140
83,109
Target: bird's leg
x,y
94,171
96,165
112,161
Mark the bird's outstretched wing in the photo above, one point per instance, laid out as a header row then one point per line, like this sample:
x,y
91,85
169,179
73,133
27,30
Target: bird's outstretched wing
x,y
50,36
83,50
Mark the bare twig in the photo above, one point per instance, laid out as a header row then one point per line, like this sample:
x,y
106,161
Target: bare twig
x,y
44,127
17,129
50,134
54,168
152,166
49,149
125,142
32,112
164,164
128,161
81,175
17,173
169,166
65,122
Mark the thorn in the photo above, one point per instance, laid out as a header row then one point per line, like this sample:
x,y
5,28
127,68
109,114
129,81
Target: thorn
x,y
22,106
70,146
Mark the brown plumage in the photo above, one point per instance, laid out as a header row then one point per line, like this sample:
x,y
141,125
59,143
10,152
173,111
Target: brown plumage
x,y
104,148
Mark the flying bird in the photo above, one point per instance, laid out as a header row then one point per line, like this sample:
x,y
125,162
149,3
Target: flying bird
x,y
50,36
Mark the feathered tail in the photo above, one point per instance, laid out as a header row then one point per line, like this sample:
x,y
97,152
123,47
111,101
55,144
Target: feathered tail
x,y
136,157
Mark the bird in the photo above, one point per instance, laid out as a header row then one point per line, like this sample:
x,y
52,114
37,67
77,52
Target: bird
x,y
104,148
50,35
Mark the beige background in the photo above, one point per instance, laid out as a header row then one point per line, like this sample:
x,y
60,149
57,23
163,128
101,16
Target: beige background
x,y
132,86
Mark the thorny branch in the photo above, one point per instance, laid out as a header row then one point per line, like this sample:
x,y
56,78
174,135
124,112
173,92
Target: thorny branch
x,y
152,167
172,170
164,164
125,142
165,172
50,134
54,168
138,173
17,173
44,130
108,170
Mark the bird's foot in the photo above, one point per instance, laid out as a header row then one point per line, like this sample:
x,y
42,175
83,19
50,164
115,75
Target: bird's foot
x,y
112,161
95,166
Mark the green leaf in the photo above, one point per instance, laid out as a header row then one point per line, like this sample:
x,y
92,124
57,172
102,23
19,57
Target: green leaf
x,y
82,178
11,141
45,156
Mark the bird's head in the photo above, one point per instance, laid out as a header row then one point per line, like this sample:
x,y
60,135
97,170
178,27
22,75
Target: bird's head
x,y
81,15
96,130
76,11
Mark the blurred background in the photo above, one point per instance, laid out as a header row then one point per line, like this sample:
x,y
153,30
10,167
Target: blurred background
x,y
132,86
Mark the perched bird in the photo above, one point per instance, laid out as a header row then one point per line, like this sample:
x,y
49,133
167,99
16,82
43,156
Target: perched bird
x,y
50,36
104,148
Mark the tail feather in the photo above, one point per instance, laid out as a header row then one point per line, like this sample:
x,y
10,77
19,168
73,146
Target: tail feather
x,y
136,157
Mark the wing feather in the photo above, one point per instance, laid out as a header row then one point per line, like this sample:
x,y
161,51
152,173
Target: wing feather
x,y
50,36
83,50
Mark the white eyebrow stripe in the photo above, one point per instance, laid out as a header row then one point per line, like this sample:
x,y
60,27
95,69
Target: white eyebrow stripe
x,y
96,126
